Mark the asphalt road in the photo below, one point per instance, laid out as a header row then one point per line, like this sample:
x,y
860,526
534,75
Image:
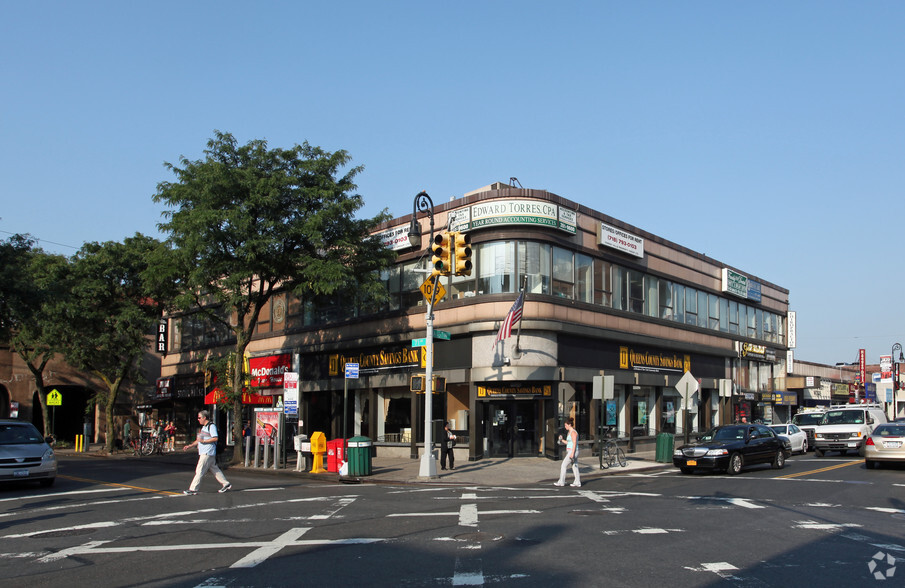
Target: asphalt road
x,y
818,522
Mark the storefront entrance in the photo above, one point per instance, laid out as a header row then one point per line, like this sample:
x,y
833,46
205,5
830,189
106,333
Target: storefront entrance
x,y
512,428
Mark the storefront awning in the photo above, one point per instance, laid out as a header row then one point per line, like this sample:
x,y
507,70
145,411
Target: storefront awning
x,y
218,396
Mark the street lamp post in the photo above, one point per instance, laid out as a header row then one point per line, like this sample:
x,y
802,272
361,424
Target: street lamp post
x,y
895,370
428,468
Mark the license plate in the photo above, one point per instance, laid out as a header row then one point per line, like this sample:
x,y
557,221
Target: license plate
x,y
852,444
892,444
20,473
691,462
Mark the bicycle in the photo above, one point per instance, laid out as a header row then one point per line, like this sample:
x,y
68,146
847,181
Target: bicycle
x,y
611,455
147,443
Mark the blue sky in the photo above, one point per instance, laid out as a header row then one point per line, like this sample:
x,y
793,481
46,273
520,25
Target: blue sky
x,y
768,135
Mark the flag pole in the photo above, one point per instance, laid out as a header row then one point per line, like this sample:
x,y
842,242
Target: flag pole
x,y
525,299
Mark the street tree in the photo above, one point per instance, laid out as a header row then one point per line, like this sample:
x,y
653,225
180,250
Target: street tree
x,y
247,221
111,315
34,288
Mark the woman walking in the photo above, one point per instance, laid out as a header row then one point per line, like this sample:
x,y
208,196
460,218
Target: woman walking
x,y
571,457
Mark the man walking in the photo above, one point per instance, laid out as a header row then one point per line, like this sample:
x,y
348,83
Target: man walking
x,y
207,455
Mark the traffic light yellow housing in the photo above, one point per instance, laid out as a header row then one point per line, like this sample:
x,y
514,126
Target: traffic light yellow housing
x,y
461,252
440,262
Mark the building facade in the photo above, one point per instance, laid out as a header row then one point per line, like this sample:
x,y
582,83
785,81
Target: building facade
x,y
613,318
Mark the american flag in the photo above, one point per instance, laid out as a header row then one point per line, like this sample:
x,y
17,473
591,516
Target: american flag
x,y
514,316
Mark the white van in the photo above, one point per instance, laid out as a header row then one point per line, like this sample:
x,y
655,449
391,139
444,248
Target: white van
x,y
845,427
807,420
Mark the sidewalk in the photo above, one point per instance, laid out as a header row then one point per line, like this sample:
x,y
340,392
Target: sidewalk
x,y
402,470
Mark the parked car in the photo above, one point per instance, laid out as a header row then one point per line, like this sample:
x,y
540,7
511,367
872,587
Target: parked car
x,y
732,447
797,437
24,454
886,444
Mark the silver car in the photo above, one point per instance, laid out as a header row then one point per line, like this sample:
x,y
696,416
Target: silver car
x,y
885,444
25,455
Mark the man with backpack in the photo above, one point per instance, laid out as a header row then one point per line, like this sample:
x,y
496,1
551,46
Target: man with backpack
x,y
207,455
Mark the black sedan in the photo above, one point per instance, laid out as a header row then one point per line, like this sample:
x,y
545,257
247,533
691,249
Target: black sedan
x,y
732,447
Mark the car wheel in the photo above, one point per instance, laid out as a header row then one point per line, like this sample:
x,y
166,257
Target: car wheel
x,y
735,464
47,482
804,446
779,460
818,452
687,470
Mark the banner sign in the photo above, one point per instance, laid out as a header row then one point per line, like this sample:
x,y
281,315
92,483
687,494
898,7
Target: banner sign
x,y
514,212
529,390
267,372
620,240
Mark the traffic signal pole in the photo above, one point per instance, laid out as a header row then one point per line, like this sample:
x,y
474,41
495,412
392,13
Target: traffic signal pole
x,y
428,468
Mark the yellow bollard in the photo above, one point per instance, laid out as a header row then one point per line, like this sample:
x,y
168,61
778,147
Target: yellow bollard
x,y
78,443
318,448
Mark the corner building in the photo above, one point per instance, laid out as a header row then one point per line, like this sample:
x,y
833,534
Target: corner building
x,y
613,318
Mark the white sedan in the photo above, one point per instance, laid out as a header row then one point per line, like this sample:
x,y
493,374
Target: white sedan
x,y
797,437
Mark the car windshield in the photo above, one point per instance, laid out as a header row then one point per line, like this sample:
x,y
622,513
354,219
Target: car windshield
x,y
843,417
807,419
19,434
728,434
890,430
780,428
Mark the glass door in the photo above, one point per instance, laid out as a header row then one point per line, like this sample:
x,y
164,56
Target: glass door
x,y
513,429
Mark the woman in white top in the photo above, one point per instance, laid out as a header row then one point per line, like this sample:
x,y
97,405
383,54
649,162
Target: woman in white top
x,y
571,456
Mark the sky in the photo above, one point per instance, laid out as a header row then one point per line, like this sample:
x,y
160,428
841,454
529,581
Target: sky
x,y
768,135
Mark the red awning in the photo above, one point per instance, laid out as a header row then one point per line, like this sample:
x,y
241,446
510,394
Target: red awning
x,y
218,396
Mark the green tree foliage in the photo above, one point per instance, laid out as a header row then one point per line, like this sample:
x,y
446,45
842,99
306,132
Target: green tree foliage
x,y
247,221
110,315
34,287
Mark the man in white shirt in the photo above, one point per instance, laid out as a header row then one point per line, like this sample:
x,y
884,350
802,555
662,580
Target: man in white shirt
x,y
206,441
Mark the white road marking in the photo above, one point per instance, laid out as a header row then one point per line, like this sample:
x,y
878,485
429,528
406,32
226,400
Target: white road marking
x,y
101,525
264,548
58,494
815,526
468,515
743,502
886,510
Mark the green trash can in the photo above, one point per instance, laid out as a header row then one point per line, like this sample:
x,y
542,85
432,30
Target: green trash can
x,y
665,444
359,456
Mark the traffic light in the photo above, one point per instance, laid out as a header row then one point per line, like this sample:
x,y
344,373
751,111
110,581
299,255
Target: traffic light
x,y
417,383
461,251
441,255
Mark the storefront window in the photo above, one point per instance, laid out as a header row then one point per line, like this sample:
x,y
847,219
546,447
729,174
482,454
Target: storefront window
x,y
642,404
603,287
584,278
496,268
563,273
534,261
670,412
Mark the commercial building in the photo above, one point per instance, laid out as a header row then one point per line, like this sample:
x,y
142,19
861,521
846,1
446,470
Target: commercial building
x,y
612,320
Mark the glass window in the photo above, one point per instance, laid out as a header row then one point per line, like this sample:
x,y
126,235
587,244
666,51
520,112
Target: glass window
x,y
636,291
752,322
733,317
563,273
496,268
759,324
691,306
409,293
651,296
671,404
679,302
714,311
665,295
534,260
702,309
724,315
603,287
462,286
584,278
620,288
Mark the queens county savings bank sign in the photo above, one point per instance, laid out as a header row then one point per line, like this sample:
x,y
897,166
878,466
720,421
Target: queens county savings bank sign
x,y
513,212
385,358
647,361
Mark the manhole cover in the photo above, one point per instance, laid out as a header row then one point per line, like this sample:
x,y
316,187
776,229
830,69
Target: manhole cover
x,y
479,537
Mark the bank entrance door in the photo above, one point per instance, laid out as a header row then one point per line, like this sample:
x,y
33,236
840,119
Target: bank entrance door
x,y
513,428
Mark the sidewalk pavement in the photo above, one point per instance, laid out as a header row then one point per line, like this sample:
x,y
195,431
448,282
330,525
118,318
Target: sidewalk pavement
x,y
402,470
